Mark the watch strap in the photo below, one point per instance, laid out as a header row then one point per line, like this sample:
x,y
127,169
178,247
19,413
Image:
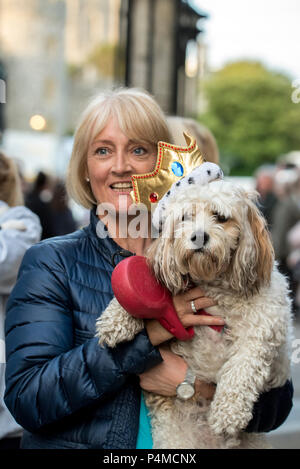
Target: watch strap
x,y
190,377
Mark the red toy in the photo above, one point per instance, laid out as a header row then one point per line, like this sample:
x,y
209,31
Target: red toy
x,y
142,296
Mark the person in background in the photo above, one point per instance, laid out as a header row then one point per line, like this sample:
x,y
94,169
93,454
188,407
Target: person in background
x,y
19,229
264,179
205,139
38,200
24,183
286,213
63,220
293,263
286,216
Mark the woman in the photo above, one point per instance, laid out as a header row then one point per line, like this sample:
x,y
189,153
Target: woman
x,y
205,139
19,229
64,285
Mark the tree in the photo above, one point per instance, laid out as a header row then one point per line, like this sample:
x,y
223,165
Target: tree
x,y
252,115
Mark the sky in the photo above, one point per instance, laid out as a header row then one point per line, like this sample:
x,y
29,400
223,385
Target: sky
x,y
267,30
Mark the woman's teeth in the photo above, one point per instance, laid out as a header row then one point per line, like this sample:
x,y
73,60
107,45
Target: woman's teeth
x,y
122,186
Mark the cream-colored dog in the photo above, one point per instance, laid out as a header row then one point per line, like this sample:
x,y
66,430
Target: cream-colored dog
x,y
215,237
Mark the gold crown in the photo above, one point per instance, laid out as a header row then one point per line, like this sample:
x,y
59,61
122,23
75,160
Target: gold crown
x,y
173,163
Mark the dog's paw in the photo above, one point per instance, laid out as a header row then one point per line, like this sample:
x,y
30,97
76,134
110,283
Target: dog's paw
x,y
228,416
115,325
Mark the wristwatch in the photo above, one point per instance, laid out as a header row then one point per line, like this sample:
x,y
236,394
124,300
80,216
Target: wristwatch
x,y
186,389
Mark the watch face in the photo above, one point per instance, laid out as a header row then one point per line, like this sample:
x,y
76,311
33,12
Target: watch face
x,y
185,391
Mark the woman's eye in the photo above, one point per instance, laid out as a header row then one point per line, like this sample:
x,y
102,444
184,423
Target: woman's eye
x,y
139,151
101,151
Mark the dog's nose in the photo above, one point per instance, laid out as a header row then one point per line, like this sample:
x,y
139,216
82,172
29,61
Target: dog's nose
x,y
199,238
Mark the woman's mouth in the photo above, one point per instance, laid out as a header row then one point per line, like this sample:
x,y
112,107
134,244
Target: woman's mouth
x,y
121,186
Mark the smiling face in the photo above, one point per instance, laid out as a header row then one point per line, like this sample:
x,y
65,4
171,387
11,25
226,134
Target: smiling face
x,y
112,159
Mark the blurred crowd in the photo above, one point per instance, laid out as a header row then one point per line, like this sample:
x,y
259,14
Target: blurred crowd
x,y
279,189
47,198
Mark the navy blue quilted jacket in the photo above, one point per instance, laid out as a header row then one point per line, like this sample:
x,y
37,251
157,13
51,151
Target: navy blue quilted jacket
x,y
64,389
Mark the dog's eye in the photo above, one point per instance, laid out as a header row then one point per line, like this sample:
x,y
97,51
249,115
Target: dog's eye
x,y
220,218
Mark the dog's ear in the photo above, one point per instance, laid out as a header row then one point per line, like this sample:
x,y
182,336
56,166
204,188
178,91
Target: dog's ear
x,y
161,257
264,247
254,258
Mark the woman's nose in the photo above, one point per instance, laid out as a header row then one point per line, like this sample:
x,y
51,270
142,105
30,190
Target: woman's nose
x,y
121,162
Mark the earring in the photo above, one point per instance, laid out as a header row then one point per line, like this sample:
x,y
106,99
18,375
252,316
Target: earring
x,y
87,179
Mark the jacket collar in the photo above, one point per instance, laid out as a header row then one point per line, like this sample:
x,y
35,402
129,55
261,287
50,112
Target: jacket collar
x,y
102,241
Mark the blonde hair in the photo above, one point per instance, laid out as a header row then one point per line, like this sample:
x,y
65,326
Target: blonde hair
x,y
140,118
10,183
205,139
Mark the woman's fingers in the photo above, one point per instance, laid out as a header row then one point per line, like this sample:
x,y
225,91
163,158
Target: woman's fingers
x,y
201,320
193,293
184,302
197,295
201,303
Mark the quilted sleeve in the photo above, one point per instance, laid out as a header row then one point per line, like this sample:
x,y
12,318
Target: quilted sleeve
x,y
47,378
272,409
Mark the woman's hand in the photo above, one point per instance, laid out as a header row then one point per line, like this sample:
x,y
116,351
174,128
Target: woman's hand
x,y
182,304
163,379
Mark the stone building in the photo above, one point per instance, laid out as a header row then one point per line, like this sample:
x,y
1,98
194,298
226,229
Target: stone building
x,y
56,54
49,49
159,35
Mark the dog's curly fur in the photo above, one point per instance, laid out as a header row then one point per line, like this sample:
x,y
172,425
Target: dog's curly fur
x,y
234,265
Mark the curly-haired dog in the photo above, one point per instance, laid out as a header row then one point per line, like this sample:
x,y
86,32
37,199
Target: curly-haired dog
x,y
215,237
